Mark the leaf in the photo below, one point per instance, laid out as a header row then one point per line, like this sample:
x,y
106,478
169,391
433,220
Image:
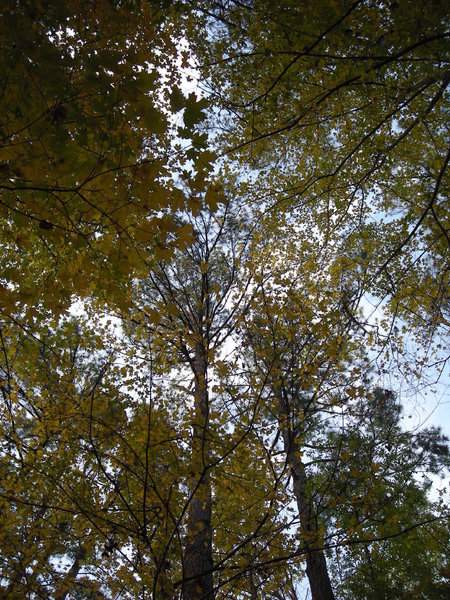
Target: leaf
x,y
194,111
214,196
177,100
345,456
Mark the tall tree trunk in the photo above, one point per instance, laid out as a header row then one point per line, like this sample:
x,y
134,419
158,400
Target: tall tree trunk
x,y
316,564
198,563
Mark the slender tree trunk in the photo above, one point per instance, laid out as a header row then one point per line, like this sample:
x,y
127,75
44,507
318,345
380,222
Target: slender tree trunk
x,y
316,565
198,563
67,582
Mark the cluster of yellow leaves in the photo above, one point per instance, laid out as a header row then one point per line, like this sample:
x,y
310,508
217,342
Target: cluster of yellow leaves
x,y
87,158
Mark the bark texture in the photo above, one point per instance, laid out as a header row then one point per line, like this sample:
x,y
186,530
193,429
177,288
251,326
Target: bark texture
x,y
316,564
198,562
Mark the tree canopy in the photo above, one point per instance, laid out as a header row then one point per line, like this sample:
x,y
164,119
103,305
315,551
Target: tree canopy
x,y
224,252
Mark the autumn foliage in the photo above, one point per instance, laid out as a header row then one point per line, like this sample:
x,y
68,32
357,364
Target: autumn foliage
x,y
224,255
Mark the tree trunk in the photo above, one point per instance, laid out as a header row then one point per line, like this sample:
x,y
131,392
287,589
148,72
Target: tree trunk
x,y
198,563
316,565
67,582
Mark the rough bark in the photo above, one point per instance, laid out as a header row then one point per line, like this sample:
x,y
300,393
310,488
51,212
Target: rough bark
x,y
198,562
316,564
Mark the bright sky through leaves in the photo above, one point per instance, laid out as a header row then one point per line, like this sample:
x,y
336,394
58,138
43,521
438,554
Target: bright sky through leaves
x,y
259,261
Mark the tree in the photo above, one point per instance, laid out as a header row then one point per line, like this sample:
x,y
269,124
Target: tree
x,y
185,304
298,347
305,357
220,434
353,469
338,114
49,474
87,96
124,468
384,487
